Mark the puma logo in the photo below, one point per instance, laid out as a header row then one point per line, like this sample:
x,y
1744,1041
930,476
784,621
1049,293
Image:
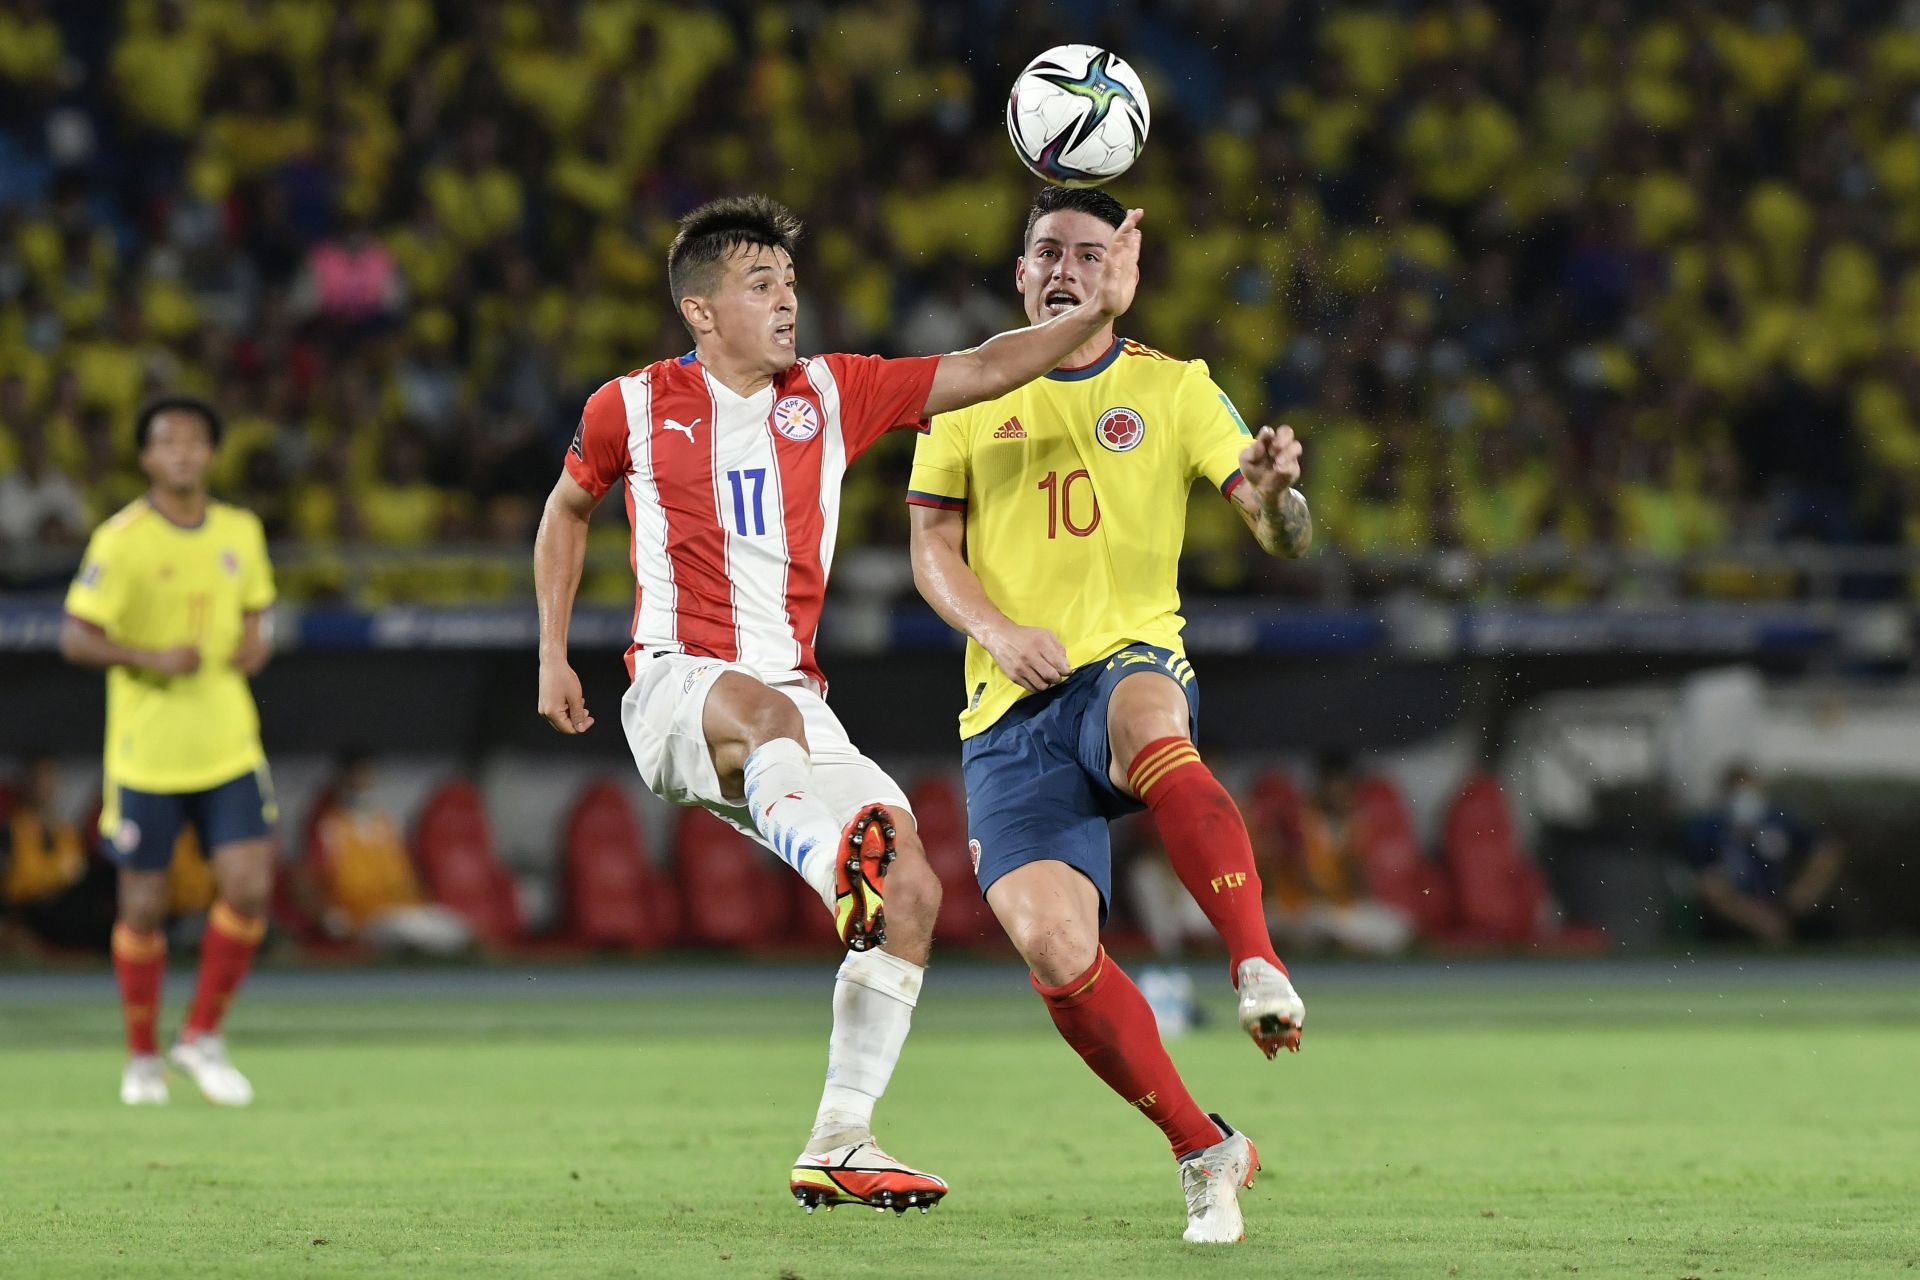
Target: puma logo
x,y
684,428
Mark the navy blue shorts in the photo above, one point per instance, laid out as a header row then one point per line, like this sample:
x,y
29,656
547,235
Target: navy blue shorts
x,y
1037,784
138,828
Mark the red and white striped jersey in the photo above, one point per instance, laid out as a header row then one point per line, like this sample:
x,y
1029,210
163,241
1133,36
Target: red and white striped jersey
x,y
735,501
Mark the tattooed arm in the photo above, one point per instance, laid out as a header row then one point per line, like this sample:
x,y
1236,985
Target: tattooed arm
x,y
1270,504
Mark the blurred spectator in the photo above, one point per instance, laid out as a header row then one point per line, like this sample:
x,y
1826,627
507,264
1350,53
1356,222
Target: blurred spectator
x,y
51,892
39,504
1317,884
1172,921
357,882
352,281
1760,871
1167,913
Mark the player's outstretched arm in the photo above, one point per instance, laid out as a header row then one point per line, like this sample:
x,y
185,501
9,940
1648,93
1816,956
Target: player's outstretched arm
x,y
86,645
1273,508
559,551
1018,356
1032,657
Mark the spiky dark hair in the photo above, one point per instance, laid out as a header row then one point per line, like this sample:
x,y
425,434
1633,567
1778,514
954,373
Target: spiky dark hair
x,y
1074,200
716,229
143,425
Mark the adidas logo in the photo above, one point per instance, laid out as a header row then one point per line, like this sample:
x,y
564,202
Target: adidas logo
x,y
1010,430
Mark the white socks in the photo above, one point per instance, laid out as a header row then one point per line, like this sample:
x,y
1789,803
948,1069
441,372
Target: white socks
x,y
873,999
784,809
874,994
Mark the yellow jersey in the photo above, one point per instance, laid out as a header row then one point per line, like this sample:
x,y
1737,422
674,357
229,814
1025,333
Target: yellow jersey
x,y
151,584
1075,492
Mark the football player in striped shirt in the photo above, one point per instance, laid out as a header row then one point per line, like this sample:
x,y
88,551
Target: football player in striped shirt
x,y
1047,526
729,459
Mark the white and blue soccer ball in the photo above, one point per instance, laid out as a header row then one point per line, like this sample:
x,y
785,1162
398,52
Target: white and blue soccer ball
x,y
1078,115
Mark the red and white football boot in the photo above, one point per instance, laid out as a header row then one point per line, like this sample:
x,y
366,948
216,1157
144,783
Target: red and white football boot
x,y
861,1173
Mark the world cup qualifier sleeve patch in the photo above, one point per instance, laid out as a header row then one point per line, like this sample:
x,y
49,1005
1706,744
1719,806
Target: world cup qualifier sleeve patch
x,y
1234,413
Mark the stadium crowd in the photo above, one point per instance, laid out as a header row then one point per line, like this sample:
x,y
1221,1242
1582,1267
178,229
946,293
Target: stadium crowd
x,y
1580,274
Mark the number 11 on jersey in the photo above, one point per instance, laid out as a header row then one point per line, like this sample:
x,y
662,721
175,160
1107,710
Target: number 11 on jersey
x,y
755,478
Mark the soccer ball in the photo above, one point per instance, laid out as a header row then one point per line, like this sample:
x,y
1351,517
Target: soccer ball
x,y
1077,116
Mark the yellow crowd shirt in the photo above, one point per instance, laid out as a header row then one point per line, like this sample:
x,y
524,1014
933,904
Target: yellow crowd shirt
x,y
364,863
1075,492
44,858
151,584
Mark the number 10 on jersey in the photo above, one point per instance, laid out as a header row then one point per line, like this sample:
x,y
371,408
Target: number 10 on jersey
x,y
1063,505
747,486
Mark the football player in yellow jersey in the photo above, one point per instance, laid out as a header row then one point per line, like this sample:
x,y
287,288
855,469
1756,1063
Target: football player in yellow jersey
x,y
1047,526
171,599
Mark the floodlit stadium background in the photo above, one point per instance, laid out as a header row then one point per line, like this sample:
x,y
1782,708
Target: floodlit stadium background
x,y
1601,322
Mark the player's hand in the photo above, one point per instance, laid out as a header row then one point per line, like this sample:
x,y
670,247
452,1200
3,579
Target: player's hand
x,y
1271,463
1122,272
182,660
561,701
251,657
1032,657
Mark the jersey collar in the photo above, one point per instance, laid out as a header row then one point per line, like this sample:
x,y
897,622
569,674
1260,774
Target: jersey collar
x,y
171,523
1085,371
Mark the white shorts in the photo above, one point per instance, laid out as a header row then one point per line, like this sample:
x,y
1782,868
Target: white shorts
x,y
662,714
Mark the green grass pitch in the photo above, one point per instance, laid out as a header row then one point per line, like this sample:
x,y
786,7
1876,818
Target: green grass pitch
x,y
1752,1122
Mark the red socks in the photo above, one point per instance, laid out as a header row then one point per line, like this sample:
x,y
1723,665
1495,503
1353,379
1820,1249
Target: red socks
x,y
140,962
1109,1023
225,956
1206,841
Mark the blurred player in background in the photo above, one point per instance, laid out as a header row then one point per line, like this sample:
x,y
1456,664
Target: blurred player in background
x,y
730,459
1047,526
171,599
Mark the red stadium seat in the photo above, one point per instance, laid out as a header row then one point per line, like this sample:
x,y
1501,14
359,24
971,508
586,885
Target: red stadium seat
x,y
1398,874
453,846
1273,812
286,909
615,898
964,920
1501,893
809,927
734,892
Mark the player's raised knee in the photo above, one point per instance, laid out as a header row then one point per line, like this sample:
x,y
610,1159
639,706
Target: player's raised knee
x,y
771,718
913,890
1056,948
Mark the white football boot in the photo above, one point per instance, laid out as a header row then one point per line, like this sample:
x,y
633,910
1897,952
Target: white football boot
x,y
861,1173
1271,1011
144,1082
205,1059
1212,1180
